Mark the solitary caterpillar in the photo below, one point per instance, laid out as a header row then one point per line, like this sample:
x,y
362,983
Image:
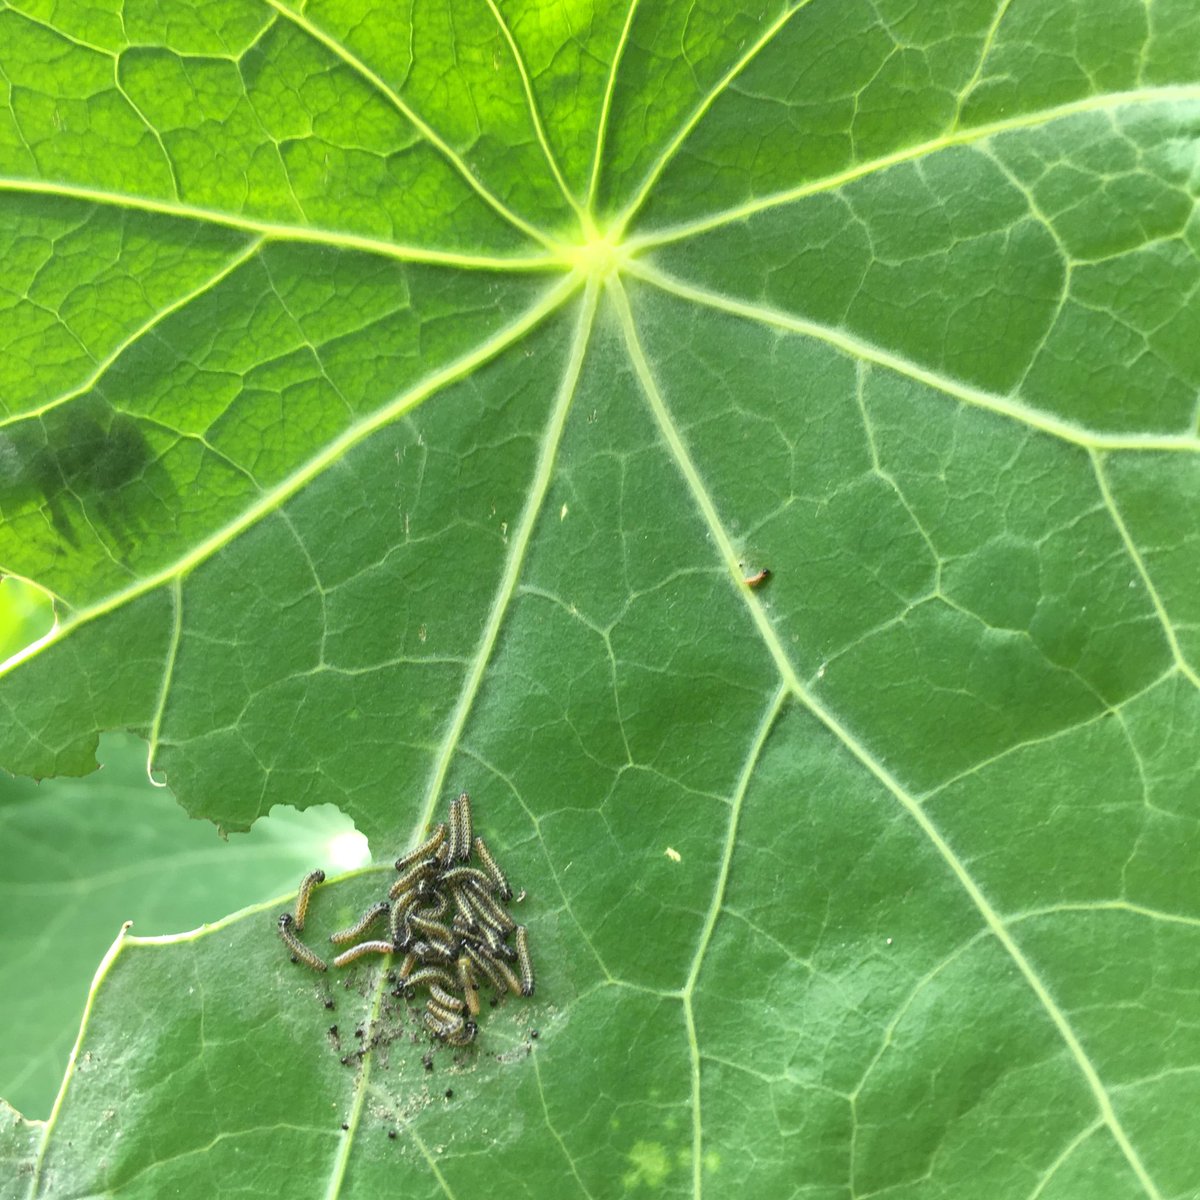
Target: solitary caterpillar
x,y
307,884
300,952
524,961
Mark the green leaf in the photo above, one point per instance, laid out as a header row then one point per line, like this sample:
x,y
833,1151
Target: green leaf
x,y
87,855
25,615
395,400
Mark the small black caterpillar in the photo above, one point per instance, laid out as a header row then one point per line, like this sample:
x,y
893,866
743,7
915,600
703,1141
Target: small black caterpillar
x,y
300,952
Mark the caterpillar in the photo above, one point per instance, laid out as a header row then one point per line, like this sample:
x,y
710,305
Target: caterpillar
x,y
487,967
467,1036
446,915
426,975
524,961
493,869
437,907
465,911
460,828
467,981
498,972
494,943
460,925
307,884
397,920
358,951
416,875
457,876
361,925
300,952
443,949
445,999
426,849
489,912
445,1030
434,952
434,932
757,580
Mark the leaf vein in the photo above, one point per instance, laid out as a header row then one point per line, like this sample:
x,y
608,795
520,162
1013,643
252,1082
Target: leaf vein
x,y
868,760
538,128
275,231
1160,608
706,102
1106,102
361,69
333,452
606,105
964,393
147,327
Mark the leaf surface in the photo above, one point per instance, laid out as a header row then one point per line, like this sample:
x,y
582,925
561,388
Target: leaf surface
x,y
85,855
395,402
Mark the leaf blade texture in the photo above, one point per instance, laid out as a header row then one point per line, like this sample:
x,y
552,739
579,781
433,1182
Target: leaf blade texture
x,y
396,401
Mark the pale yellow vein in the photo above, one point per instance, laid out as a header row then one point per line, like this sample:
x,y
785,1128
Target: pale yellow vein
x,y
270,500
1103,103
964,393
1185,668
957,868
606,105
710,922
515,560
160,706
278,232
685,130
101,973
147,326
364,72
531,101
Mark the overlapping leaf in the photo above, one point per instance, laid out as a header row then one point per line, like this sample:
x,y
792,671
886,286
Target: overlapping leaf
x,y
393,399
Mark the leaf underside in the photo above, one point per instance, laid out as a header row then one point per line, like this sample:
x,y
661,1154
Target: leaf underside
x,y
394,399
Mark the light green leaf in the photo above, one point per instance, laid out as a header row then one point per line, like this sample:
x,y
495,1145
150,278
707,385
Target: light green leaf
x,y
25,615
86,855
395,400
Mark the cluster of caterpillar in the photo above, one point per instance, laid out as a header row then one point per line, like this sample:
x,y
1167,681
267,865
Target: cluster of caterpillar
x,y
448,959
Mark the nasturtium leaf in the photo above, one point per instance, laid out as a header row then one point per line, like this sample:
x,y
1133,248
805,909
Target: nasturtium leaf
x,y
85,855
395,399
26,614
